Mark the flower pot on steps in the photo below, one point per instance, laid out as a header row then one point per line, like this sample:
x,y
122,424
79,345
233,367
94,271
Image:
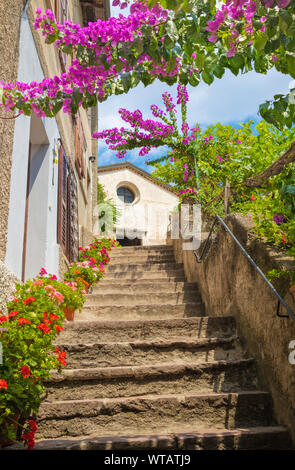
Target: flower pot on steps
x,y
69,313
14,419
292,291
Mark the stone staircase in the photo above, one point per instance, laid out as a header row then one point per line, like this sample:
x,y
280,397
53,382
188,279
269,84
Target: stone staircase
x,y
147,370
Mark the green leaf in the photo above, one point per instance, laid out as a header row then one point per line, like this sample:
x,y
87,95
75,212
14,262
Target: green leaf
x,y
260,40
290,56
172,62
194,79
172,30
285,19
207,77
218,71
153,45
168,42
237,61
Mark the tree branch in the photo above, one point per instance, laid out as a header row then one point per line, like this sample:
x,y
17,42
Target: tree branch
x,y
215,198
274,169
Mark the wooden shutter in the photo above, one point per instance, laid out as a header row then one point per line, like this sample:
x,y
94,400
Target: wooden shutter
x,y
79,147
67,226
73,217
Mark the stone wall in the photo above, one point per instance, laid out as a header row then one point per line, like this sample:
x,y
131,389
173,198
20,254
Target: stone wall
x,y
229,285
7,282
10,14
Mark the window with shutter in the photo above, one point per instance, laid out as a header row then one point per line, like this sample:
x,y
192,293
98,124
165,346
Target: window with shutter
x,y
67,226
79,147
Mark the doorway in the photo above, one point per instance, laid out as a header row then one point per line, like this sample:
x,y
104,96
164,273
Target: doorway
x,y
128,242
35,226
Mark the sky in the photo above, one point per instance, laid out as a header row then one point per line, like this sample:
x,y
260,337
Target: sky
x,y
230,100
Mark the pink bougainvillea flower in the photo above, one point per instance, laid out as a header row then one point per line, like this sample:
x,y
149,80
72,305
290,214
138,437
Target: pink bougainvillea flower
x,y
283,3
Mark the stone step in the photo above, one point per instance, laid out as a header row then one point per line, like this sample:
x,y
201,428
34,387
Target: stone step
x,y
127,286
140,297
257,438
148,352
143,249
126,381
155,276
142,259
154,414
171,267
155,330
143,311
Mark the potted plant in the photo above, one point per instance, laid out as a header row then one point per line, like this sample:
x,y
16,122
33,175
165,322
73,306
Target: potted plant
x,y
292,288
72,297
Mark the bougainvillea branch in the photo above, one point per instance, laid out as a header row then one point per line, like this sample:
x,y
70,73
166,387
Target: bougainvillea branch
x,y
184,42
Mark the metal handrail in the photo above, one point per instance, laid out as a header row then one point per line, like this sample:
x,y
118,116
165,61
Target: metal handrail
x,y
200,257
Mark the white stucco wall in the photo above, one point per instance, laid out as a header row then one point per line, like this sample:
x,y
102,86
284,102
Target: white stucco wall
x,y
148,216
42,245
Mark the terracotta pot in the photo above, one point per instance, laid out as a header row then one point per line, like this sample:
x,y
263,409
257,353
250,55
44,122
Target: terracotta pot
x,y
292,291
69,313
11,420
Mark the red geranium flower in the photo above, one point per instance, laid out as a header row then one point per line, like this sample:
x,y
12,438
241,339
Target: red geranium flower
x,y
43,327
29,300
58,328
3,384
23,321
25,371
53,316
13,314
3,318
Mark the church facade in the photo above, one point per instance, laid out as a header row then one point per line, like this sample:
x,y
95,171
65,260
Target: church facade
x,y
144,204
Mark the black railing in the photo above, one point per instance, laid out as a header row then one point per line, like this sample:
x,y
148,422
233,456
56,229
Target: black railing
x,y
275,292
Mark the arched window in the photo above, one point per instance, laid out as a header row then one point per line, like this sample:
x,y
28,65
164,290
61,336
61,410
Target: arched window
x,y
125,195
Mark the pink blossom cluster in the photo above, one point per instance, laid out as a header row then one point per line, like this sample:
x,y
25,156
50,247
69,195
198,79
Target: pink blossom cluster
x,y
192,190
54,294
233,11
100,37
155,133
182,94
116,138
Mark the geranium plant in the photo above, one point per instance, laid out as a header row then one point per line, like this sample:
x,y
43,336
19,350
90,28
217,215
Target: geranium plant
x,y
33,321
73,297
27,333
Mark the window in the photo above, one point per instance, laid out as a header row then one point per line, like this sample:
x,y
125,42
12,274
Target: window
x,y
62,15
79,147
67,223
125,195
